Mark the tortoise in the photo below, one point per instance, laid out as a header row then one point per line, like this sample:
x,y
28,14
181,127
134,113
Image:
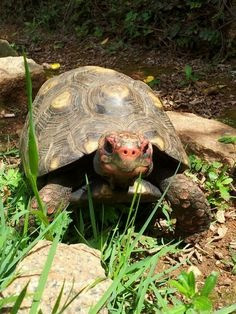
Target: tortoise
x,y
100,122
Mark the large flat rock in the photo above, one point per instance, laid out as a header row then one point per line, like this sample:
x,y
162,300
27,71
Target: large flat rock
x,y
77,264
200,136
12,81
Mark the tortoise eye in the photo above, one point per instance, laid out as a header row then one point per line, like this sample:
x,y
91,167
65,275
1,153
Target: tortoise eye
x,y
145,148
108,147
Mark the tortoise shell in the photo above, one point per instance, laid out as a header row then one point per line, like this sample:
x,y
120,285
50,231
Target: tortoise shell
x,y
72,111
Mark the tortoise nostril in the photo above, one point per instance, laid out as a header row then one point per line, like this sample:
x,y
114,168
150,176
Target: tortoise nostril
x,y
108,147
125,152
133,152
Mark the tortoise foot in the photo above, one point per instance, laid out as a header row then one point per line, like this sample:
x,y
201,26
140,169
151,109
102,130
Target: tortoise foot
x,y
54,197
189,205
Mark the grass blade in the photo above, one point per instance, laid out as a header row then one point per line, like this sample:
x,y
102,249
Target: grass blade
x,y
91,211
44,275
19,300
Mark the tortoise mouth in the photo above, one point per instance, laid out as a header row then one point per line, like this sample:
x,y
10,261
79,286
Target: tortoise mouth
x,y
123,156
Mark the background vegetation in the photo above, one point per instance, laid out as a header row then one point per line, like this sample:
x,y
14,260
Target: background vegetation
x,y
198,25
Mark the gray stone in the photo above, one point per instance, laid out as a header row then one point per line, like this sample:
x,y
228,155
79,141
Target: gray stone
x,y
12,81
200,137
77,264
6,50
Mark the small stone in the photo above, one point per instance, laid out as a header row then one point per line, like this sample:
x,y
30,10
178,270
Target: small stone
x,y
227,282
220,216
218,255
195,270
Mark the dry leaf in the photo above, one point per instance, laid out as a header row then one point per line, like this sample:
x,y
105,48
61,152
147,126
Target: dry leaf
x,y
220,216
221,231
105,41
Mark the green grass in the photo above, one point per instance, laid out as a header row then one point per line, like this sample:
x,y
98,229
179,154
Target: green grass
x,y
130,258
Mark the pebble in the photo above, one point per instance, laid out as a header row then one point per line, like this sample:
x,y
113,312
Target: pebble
x,y
218,255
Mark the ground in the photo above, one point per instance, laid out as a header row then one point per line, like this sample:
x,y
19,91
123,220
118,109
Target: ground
x,y
211,95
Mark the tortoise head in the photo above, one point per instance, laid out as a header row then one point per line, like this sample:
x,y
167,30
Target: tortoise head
x,y
122,156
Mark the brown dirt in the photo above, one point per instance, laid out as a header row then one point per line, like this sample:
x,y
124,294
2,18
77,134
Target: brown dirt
x,y
211,96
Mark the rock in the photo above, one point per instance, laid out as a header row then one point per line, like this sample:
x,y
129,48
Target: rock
x,y
6,50
12,81
77,264
200,137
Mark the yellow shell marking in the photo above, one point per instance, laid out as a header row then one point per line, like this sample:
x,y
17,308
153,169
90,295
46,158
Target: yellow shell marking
x,y
54,163
61,100
116,91
156,100
48,85
90,146
159,142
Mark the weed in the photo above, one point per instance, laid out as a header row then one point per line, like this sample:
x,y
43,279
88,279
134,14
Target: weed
x,y
227,139
215,180
190,76
197,301
151,81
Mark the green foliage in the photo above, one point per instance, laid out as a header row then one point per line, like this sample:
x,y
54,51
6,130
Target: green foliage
x,y
227,139
217,181
196,301
196,24
189,75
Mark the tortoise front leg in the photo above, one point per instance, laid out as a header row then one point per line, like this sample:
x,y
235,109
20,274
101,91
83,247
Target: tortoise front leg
x,y
54,196
190,207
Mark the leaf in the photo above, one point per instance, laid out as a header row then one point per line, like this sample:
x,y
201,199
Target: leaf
x,y
202,303
227,310
224,193
227,181
191,282
105,41
209,284
212,176
227,139
217,164
188,71
32,145
179,287
58,300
